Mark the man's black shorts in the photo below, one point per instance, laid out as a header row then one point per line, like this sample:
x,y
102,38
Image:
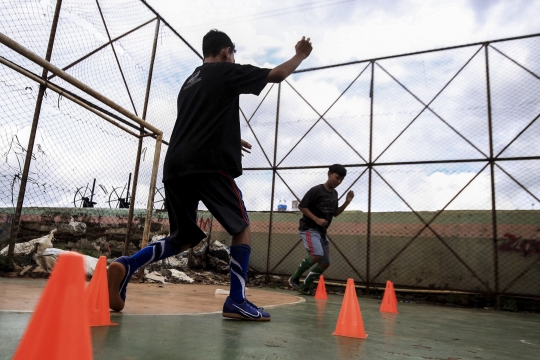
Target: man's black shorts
x,y
217,191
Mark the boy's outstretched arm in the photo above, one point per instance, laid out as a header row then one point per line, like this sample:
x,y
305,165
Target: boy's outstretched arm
x,y
339,210
281,72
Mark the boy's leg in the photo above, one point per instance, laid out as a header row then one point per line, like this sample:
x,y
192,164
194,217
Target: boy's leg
x,y
322,265
224,200
182,209
315,251
306,263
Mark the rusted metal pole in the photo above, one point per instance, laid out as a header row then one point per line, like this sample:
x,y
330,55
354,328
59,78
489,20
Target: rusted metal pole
x,y
30,148
274,170
493,192
139,147
150,205
60,91
15,46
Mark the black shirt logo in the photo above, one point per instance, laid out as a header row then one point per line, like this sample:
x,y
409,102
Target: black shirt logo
x,y
192,80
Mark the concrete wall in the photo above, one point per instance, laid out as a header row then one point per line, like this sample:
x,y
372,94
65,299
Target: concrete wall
x,y
462,257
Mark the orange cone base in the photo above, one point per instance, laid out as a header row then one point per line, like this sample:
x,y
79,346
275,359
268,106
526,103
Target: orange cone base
x,y
321,290
357,336
389,301
389,310
58,328
97,296
350,323
109,324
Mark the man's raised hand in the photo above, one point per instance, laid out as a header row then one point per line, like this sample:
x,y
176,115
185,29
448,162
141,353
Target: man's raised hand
x,y
303,47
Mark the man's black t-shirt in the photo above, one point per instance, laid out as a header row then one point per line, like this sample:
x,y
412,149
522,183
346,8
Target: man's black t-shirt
x,y
206,135
322,203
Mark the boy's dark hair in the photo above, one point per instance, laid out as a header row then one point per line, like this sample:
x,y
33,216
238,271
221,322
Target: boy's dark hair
x,y
214,41
338,169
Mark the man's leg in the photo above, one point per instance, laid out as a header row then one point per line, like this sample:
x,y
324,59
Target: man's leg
x,y
182,205
121,270
224,200
240,254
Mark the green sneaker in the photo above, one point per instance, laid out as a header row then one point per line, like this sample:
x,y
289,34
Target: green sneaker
x,y
309,292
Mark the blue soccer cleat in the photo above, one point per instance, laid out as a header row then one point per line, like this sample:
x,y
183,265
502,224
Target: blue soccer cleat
x,y
244,311
118,276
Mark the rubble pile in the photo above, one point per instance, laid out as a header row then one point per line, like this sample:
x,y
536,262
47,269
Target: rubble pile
x,y
44,255
200,265
204,264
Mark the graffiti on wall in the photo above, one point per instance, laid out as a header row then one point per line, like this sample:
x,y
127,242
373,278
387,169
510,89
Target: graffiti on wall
x,y
524,247
203,223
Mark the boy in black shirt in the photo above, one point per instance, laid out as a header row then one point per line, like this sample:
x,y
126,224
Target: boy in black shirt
x,y
319,206
203,158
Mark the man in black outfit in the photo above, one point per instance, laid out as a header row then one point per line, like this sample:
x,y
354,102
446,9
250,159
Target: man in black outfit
x,y
203,158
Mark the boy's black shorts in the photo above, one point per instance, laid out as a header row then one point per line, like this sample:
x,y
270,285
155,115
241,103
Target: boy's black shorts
x,y
218,191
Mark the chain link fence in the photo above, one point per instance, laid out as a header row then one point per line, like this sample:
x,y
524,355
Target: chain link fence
x,y
440,148
440,152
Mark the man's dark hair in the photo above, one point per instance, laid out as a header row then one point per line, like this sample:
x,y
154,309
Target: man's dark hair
x,y
338,169
214,41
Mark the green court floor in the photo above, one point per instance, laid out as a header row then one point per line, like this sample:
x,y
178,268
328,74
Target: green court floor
x,y
303,331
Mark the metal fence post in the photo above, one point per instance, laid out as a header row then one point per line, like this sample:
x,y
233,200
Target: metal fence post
x,y
139,148
30,149
493,193
151,192
368,245
274,170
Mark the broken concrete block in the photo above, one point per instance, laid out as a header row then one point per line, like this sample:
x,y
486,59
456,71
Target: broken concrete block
x,y
28,247
155,276
217,264
220,251
47,259
174,262
180,275
25,270
200,249
73,227
77,227
158,237
45,243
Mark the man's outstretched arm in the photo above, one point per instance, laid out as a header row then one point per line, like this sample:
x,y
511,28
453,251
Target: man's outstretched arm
x,y
281,72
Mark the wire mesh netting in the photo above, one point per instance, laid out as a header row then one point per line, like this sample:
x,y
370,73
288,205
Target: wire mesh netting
x,y
440,148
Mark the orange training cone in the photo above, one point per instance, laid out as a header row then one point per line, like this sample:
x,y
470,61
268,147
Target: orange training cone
x,y
389,301
58,328
350,322
97,296
321,290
